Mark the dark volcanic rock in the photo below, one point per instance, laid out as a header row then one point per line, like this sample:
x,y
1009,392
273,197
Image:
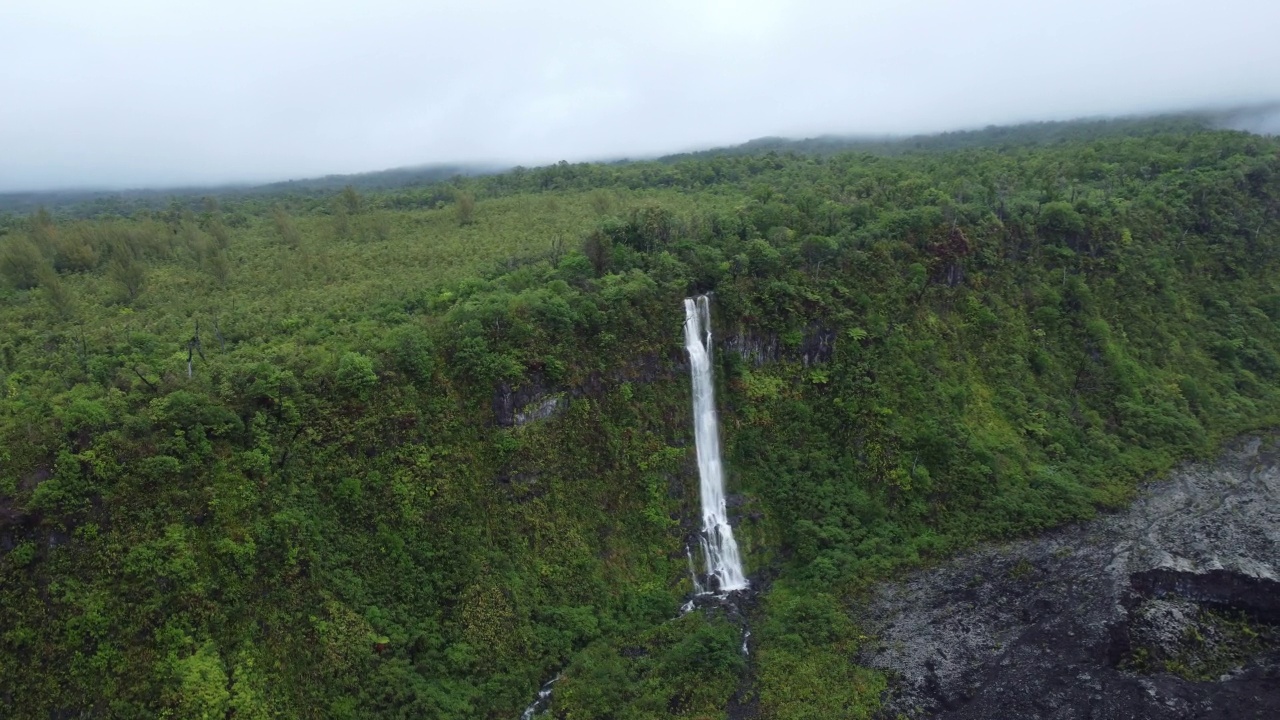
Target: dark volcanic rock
x,y
816,346
512,404
1047,628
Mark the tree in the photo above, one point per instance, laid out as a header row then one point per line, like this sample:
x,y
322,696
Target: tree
x,y
20,263
341,221
128,274
466,208
355,375
376,226
285,227
599,250
195,240
72,252
351,200
601,202
221,236
42,228
59,297
1060,221
218,265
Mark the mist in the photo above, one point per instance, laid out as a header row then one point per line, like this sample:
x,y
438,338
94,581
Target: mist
x,y
153,93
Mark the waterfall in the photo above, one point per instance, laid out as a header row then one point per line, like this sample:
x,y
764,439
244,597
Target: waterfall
x,y
539,703
719,549
693,573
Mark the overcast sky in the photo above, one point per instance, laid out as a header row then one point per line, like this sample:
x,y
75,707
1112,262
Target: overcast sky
x,y
162,92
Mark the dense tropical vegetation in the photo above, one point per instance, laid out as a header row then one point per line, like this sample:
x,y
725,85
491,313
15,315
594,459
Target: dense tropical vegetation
x,y
412,452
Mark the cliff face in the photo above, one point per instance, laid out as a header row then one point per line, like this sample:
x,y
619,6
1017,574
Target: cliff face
x,y
1166,610
755,348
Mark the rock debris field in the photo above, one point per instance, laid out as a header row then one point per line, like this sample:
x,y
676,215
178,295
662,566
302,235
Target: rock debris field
x,y
1169,609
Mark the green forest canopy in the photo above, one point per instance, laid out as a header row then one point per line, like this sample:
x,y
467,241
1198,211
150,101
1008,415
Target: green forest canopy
x,y
259,454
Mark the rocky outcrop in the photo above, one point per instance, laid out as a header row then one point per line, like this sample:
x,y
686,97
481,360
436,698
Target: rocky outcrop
x,y
535,399
1166,610
541,409
815,346
515,405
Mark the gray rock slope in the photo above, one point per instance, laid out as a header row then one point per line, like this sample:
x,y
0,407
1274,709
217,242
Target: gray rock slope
x,y
1089,621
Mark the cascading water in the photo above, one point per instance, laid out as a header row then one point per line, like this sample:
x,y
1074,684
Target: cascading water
x,y
693,573
719,549
724,566
539,703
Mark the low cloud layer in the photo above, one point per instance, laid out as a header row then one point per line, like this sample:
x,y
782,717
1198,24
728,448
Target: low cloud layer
x,y
152,92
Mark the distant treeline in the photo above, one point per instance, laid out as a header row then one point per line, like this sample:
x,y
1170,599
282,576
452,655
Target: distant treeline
x,y
88,203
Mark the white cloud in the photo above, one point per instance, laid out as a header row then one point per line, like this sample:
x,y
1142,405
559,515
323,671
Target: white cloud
x,y
154,92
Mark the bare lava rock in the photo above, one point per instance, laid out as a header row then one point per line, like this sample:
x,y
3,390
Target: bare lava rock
x,y
1113,618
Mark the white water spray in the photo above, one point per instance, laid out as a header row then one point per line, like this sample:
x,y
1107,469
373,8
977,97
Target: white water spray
x,y
539,703
718,546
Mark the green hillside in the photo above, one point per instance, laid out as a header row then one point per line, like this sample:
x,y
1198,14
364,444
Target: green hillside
x,y
272,456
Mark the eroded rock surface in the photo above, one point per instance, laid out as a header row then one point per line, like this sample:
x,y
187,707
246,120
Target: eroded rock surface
x,y
1116,618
